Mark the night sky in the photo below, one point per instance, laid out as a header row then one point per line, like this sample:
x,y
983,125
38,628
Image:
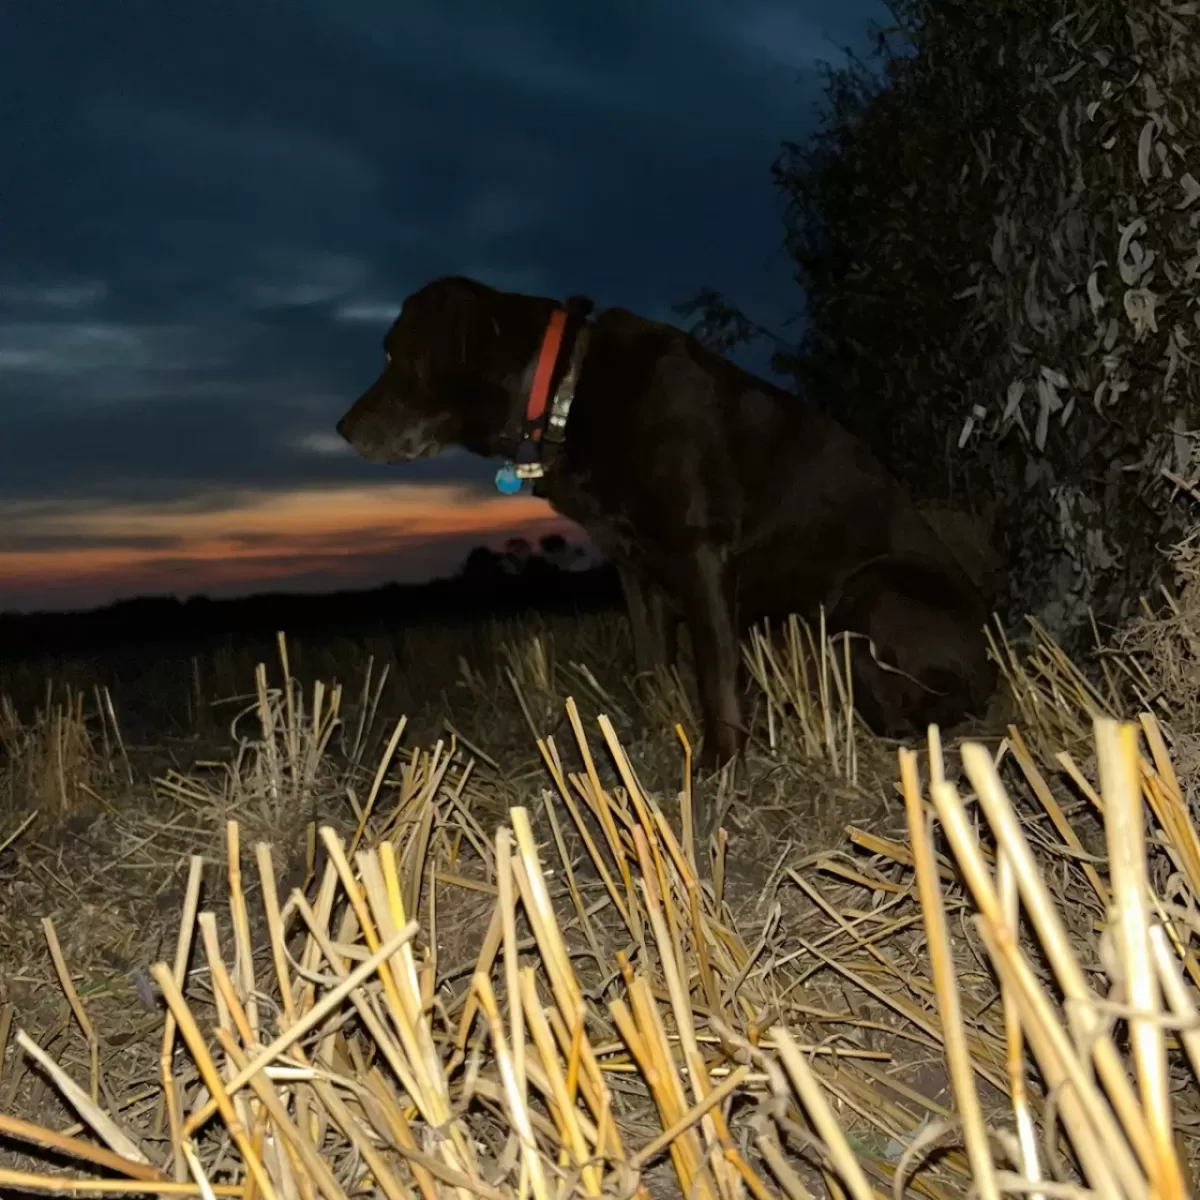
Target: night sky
x,y
209,214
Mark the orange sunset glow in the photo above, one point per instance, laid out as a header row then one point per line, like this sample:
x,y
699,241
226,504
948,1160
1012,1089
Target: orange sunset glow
x,y
313,539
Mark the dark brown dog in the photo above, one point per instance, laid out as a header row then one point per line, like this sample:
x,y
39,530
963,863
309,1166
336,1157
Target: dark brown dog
x,y
721,498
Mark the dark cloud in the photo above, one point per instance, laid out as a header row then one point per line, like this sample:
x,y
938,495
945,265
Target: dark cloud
x,y
210,213
212,450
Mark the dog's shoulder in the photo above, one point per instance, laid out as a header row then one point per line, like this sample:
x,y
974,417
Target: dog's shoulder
x,y
632,351
624,325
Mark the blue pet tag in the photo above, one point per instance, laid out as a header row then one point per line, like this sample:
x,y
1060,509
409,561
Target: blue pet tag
x,y
508,482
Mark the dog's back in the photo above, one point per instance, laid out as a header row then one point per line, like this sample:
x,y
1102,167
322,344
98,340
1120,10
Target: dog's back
x,y
812,502
801,502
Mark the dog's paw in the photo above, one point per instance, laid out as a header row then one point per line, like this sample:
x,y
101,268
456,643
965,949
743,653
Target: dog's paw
x,y
719,749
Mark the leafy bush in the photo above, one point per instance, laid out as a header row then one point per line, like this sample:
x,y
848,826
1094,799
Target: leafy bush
x,y
997,231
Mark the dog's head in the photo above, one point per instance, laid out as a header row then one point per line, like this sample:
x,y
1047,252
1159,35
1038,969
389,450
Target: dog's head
x,y
451,362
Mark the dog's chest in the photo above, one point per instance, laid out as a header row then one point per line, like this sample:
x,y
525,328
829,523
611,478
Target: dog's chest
x,y
572,494
609,526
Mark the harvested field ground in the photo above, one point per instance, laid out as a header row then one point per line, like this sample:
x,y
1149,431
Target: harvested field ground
x,y
590,965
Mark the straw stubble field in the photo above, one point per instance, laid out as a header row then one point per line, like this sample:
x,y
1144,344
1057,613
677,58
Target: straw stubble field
x,y
419,918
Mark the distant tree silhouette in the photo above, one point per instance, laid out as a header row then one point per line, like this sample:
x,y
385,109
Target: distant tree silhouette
x,y
558,552
520,561
516,556
481,565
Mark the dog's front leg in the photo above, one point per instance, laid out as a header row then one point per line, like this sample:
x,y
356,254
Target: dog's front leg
x,y
708,596
664,621
651,620
637,606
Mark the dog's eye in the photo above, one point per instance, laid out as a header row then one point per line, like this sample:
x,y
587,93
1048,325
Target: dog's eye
x,y
387,357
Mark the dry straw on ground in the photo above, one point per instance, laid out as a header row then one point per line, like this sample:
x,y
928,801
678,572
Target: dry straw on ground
x,y
618,1028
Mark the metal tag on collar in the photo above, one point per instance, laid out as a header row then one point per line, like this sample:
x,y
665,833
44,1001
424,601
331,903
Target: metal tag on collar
x,y
508,482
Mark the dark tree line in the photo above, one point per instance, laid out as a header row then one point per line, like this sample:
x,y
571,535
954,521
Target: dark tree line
x,y
551,576
553,556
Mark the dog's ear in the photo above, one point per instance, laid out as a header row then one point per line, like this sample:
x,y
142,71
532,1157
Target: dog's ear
x,y
580,307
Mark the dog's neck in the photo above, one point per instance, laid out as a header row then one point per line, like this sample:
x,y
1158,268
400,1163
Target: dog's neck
x,y
502,376
491,388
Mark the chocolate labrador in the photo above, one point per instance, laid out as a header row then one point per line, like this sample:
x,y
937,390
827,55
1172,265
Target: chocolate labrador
x,y
721,498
